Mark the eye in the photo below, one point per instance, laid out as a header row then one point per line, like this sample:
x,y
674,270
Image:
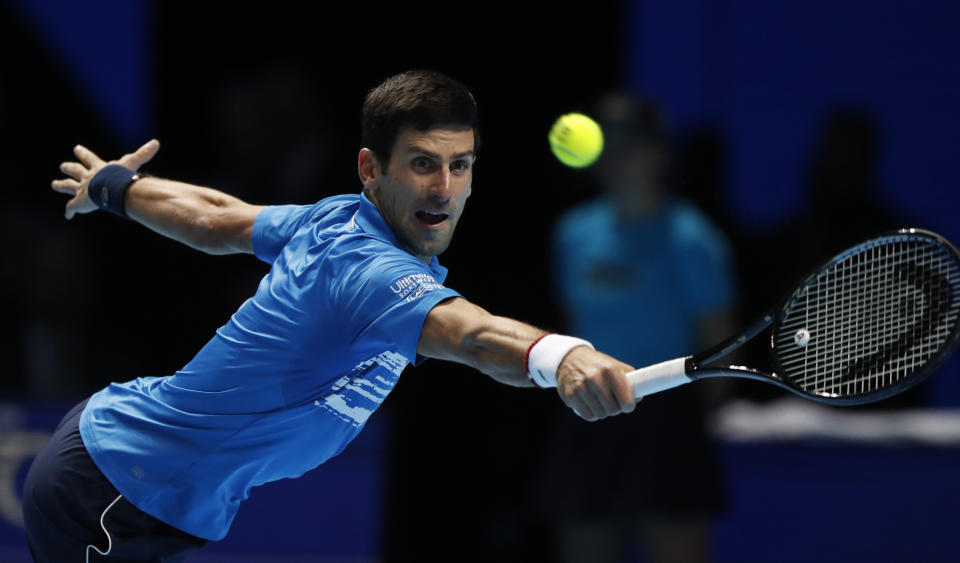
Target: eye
x,y
422,164
459,166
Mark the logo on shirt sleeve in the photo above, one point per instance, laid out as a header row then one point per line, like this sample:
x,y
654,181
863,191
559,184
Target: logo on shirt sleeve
x,y
414,286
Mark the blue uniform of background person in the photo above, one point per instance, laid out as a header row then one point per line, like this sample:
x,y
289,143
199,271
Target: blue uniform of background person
x,y
638,288
283,386
635,290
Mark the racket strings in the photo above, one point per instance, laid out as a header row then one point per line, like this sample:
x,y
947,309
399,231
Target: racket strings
x,y
861,371
917,285
871,318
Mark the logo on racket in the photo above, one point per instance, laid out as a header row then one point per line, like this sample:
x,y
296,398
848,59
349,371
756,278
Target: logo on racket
x,y
932,288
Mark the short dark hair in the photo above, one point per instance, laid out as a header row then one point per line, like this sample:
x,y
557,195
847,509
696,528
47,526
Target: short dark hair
x,y
421,99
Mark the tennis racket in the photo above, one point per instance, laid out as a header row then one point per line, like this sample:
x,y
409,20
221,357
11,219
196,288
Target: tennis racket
x,y
871,322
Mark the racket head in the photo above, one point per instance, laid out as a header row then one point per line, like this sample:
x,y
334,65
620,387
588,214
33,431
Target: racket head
x,y
872,321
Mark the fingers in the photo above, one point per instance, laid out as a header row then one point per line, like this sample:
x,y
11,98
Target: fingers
x,y
603,395
141,156
73,169
622,391
589,401
65,185
589,408
72,207
596,391
87,157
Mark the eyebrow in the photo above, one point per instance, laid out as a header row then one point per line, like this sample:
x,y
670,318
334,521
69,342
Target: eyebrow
x,y
416,149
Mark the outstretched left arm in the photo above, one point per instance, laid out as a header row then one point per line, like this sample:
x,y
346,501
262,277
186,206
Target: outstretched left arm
x,y
201,218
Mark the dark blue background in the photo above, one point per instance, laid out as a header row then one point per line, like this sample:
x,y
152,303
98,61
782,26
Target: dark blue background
x,y
452,454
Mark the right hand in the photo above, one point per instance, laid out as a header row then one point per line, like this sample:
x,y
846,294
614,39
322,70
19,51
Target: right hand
x,y
89,164
594,384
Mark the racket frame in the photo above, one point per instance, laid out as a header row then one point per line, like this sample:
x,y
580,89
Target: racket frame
x,y
696,366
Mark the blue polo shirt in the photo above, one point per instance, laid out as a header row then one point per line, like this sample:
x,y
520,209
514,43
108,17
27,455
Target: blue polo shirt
x,y
286,384
638,289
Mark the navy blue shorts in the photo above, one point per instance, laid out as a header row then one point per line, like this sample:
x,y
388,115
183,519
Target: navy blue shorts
x,y
73,514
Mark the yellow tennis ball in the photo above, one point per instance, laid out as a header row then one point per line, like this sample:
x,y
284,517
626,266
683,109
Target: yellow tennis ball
x,y
576,140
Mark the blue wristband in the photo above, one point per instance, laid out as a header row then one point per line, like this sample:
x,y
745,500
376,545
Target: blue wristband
x,y
108,188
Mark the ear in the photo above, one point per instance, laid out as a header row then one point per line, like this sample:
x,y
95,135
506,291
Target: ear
x,y
368,167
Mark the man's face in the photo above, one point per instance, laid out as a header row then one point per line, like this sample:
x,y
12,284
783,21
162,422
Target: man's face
x,y
633,163
424,188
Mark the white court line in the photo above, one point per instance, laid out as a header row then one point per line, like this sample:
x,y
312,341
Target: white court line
x,y
792,419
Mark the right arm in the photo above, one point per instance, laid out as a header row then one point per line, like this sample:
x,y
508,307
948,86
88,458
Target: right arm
x,y
201,218
591,383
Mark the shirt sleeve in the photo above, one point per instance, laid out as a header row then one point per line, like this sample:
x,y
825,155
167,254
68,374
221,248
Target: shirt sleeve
x,y
385,299
275,226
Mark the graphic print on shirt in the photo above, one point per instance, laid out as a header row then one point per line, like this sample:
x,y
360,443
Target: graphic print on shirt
x,y
354,397
414,286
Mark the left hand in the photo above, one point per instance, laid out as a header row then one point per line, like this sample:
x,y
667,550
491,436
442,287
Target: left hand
x,y
594,384
89,164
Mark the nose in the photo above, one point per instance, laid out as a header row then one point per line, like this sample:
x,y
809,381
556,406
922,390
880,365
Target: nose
x,y
440,185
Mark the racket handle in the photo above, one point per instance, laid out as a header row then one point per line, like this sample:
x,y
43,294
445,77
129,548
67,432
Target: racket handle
x,y
658,377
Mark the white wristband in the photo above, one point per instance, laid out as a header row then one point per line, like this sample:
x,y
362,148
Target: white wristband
x,y
545,355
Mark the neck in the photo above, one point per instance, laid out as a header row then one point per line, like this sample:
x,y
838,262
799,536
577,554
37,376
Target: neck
x,y
372,196
638,201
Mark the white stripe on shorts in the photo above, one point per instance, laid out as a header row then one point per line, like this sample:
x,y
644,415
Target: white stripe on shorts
x,y
109,540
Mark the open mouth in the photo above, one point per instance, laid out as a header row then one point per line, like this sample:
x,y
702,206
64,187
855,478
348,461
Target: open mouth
x,y
431,218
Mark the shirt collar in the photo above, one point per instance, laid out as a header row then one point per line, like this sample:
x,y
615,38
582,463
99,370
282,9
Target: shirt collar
x,y
369,219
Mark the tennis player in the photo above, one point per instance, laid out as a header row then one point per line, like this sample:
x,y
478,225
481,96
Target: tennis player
x,y
151,468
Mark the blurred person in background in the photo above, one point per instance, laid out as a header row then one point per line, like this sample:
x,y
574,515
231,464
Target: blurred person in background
x,y
842,200
645,277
